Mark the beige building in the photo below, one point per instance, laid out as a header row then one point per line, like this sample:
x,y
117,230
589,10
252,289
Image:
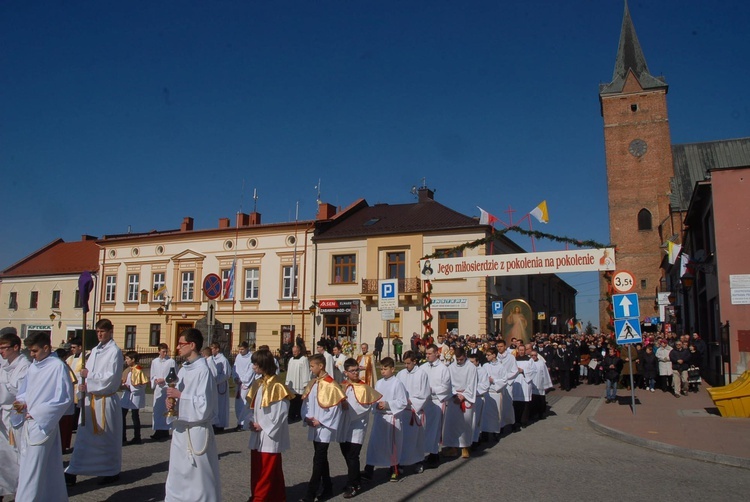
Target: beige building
x,y
40,292
151,284
363,244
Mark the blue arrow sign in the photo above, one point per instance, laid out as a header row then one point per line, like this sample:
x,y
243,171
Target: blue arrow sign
x,y
626,305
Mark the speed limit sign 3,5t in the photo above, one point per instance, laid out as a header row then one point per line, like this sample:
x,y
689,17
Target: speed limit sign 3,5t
x,y
623,281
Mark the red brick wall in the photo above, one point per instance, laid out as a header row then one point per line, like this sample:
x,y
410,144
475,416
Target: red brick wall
x,y
634,183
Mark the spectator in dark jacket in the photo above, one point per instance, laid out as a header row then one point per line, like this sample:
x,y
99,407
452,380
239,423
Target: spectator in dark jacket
x,y
650,366
680,358
612,368
378,352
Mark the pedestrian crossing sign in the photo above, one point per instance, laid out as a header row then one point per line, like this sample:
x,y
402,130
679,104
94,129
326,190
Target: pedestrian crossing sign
x,y
628,331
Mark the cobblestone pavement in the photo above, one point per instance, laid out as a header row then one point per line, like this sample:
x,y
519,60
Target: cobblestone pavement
x,y
560,458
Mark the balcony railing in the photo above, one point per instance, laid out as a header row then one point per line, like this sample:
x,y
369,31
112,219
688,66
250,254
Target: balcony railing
x,y
405,286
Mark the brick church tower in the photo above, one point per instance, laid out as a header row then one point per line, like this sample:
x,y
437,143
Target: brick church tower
x,y
638,153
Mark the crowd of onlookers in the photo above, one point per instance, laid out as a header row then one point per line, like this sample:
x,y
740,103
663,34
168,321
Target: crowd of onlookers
x,y
667,362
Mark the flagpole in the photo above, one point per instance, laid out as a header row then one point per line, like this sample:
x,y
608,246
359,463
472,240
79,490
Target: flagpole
x,y
231,280
294,276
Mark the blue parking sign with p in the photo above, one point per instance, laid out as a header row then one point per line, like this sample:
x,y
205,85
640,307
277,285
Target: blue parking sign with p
x,y
497,309
387,290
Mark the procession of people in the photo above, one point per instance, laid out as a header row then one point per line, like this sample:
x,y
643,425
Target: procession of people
x,y
453,394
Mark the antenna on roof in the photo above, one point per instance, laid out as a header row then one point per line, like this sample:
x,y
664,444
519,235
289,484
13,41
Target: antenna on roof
x,y
317,187
255,200
413,191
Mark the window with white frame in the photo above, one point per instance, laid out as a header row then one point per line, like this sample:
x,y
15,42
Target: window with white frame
x,y
13,301
110,287
158,285
289,282
188,286
133,281
252,283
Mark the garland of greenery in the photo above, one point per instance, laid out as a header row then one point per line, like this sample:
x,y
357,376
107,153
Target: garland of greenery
x,y
427,309
495,234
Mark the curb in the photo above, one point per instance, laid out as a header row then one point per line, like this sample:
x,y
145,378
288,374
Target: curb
x,y
705,456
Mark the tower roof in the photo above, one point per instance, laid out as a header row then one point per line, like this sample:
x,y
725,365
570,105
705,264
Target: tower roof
x,y
630,58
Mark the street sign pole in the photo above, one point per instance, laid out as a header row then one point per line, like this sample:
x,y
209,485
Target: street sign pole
x,y
632,387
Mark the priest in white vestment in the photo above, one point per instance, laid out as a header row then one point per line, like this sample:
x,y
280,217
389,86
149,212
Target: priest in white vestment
x,y
98,445
297,378
412,422
483,389
244,375
47,394
223,374
159,370
193,458
439,379
13,368
459,410
521,388
540,382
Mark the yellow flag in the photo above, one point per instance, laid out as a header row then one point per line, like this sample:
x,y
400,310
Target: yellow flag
x,y
540,212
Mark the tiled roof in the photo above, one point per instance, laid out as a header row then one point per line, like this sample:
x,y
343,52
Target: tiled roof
x,y
692,161
57,258
385,219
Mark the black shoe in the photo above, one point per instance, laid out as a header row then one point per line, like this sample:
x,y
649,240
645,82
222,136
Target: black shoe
x,y
70,479
238,428
218,430
367,473
108,480
352,492
420,468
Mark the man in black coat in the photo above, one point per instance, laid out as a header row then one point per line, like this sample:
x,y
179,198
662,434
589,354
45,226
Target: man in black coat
x,y
563,365
612,368
378,352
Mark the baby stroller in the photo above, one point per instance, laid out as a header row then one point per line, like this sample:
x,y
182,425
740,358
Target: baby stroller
x,y
694,378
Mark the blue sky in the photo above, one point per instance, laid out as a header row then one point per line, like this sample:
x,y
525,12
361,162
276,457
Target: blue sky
x,y
136,114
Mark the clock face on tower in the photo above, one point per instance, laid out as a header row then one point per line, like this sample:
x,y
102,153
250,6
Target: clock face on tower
x,y
637,148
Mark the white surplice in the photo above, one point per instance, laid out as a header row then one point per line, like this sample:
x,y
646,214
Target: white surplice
x,y
193,458
99,452
459,420
483,390
439,379
223,374
160,369
501,371
354,419
386,436
338,367
541,380
521,384
274,434
329,418
242,371
412,421
298,374
12,377
48,394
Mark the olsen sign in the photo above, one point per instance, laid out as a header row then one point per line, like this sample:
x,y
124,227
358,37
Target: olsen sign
x,y
553,262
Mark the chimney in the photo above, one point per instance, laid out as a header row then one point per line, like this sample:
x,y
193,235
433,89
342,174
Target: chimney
x,y
243,219
425,194
223,222
187,224
254,218
326,211
86,237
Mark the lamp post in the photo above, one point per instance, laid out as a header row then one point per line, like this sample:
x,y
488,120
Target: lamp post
x,y
313,307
